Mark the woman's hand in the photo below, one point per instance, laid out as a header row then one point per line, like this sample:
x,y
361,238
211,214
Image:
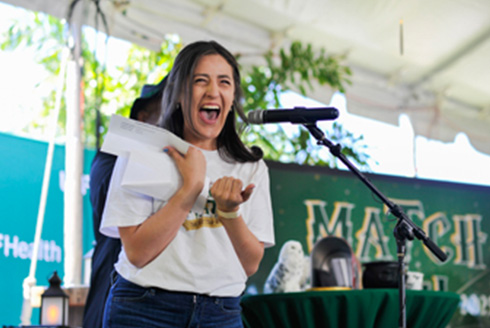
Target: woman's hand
x,y
192,168
228,194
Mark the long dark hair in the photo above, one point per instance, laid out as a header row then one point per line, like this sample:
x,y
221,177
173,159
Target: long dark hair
x,y
230,146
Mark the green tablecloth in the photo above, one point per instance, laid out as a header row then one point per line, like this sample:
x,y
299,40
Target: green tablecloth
x,y
377,308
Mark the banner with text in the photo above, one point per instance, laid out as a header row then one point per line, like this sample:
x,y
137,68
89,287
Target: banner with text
x,y
309,203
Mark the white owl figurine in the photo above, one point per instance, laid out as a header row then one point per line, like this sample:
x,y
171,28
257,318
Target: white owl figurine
x,y
289,273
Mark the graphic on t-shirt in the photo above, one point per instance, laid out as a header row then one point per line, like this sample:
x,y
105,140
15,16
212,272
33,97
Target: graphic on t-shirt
x,y
206,219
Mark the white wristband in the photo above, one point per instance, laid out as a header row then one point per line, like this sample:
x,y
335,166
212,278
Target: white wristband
x,y
228,215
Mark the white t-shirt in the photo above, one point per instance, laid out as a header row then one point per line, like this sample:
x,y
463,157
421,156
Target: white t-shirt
x,y
201,258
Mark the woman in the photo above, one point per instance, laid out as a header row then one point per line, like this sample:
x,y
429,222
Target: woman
x,y
180,267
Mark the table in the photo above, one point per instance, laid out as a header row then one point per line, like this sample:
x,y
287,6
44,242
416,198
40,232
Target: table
x,y
365,308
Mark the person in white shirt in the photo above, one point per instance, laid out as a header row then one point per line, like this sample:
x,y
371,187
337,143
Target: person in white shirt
x,y
181,266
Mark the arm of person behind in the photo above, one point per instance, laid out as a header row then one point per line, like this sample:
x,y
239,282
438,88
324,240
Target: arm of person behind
x,y
143,242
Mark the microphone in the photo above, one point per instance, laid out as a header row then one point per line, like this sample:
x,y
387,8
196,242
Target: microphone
x,y
297,115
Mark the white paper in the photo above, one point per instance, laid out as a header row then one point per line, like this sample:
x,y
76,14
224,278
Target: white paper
x,y
125,135
149,170
151,173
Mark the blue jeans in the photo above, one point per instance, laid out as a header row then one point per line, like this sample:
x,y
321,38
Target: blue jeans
x,y
130,306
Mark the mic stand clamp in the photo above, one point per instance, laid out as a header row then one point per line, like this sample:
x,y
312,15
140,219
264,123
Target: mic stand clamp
x,y
404,229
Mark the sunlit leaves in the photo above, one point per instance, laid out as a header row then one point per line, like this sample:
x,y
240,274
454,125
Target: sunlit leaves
x,y
103,91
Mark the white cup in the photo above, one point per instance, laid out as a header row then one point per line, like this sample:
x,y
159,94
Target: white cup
x,y
415,280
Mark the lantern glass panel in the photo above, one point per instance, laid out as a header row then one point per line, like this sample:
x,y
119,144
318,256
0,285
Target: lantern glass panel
x,y
54,310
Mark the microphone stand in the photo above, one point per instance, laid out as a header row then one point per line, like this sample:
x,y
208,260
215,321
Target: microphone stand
x,y
404,229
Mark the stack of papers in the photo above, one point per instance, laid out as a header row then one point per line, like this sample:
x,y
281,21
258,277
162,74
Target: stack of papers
x,y
149,170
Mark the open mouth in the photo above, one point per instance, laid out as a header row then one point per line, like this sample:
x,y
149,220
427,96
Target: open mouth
x,y
209,114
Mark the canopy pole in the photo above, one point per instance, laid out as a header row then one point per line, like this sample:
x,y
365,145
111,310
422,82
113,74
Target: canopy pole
x,y
73,157
30,280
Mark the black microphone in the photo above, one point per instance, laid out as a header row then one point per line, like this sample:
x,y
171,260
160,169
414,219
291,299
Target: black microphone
x,y
297,115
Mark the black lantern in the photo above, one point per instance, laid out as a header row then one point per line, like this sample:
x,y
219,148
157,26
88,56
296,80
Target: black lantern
x,y
54,304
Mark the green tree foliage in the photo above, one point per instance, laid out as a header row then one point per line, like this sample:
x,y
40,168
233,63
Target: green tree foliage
x,y
108,91
122,86
104,91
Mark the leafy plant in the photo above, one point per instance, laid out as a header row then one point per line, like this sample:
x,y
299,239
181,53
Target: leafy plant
x,y
295,69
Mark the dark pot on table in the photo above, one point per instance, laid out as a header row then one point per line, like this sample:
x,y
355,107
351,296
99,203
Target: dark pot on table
x,y
380,274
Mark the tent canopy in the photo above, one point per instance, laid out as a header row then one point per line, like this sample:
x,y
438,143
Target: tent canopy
x,y
425,58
